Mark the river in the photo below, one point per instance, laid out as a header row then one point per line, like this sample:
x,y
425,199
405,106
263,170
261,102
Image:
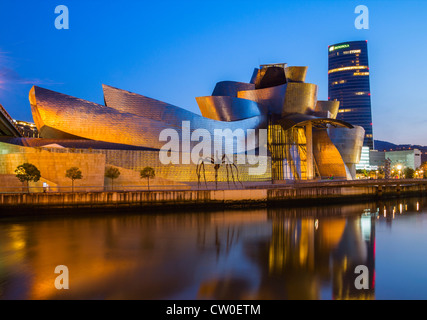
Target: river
x,y
264,253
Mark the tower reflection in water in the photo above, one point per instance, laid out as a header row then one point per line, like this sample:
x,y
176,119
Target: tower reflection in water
x,y
304,256
280,253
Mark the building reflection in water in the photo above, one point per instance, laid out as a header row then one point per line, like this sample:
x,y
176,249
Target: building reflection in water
x,y
280,253
318,251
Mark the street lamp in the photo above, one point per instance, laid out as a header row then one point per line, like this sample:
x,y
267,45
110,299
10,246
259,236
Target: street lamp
x,y
399,168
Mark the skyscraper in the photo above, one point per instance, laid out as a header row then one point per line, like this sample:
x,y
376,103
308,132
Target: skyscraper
x,y
348,82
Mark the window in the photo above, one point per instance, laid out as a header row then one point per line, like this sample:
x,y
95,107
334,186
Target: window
x,y
348,68
361,74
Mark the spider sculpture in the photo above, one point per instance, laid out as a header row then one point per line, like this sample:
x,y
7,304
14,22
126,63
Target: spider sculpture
x,y
217,165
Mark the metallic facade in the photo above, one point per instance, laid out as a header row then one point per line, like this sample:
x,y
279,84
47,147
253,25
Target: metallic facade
x,y
270,76
328,106
300,98
348,83
270,98
329,161
225,108
296,74
349,142
127,128
231,88
57,115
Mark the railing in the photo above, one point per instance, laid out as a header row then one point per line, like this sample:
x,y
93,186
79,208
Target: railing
x,y
222,185
210,185
85,189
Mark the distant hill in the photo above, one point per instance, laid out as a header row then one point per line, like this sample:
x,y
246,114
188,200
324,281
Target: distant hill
x,y
384,145
387,146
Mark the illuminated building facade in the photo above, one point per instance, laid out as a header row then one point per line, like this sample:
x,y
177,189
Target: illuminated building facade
x,y
348,83
365,160
405,158
126,132
27,129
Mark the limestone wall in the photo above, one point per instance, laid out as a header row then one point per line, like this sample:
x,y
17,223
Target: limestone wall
x,y
53,166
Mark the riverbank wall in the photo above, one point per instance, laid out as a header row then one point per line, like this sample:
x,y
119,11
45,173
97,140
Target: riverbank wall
x,y
303,193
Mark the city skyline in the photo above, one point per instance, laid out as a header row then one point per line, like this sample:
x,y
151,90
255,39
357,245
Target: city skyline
x,y
164,56
212,151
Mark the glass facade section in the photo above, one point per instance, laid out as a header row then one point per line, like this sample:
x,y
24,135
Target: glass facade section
x,y
348,83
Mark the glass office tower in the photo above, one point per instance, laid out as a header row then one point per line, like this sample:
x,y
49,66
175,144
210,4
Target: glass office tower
x,y
348,82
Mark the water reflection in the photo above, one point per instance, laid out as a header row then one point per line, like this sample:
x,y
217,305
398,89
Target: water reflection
x,y
280,253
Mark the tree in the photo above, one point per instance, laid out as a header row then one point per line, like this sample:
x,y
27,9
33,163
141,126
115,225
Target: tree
x,y
73,173
363,172
112,173
423,167
147,173
27,172
409,173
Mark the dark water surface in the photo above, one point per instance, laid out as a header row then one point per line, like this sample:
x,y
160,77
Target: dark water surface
x,y
280,253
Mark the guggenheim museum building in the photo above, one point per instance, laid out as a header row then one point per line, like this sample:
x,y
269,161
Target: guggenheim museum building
x,y
270,129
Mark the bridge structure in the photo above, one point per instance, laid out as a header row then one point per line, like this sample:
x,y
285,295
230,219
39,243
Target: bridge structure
x,y
7,126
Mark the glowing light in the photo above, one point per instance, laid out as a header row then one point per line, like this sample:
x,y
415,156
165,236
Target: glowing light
x,y
342,46
348,68
352,51
361,74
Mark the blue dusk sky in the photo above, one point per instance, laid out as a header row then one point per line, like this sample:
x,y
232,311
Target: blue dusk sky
x,y
175,51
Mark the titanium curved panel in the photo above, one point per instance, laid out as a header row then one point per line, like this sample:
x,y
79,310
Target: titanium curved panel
x,y
328,159
231,88
296,74
227,108
270,77
328,106
66,114
129,102
299,98
67,143
125,101
349,143
270,98
254,75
